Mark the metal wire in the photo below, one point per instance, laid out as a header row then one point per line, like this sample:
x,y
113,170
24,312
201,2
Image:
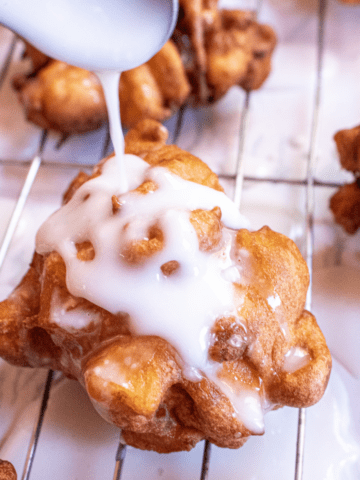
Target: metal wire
x,y
30,178
224,176
312,157
37,429
206,461
310,194
179,123
240,165
244,123
119,460
285,181
47,164
7,61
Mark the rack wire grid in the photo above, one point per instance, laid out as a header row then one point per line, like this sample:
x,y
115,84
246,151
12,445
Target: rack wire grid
x,y
234,181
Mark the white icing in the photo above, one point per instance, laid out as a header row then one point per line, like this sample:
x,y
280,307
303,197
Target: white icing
x,y
236,340
243,264
110,83
68,318
110,372
274,301
231,274
246,401
284,327
181,307
196,295
295,359
192,373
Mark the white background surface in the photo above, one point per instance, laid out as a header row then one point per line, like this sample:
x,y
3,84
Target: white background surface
x,y
75,442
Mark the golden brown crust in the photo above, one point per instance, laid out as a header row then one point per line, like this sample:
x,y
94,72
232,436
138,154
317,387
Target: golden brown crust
x,y
145,137
148,393
185,165
196,18
222,48
7,471
69,99
207,225
63,98
168,71
23,303
177,439
279,268
141,97
38,59
290,387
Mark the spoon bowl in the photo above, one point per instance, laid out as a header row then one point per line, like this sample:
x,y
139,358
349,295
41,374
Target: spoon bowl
x,y
115,35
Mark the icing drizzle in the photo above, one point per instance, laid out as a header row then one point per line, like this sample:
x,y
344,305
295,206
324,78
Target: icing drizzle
x,y
181,307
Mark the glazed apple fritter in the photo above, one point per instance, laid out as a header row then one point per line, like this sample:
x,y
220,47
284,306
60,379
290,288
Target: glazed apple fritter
x,y
265,350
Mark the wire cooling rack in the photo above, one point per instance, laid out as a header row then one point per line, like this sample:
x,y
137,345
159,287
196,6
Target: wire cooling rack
x,y
237,180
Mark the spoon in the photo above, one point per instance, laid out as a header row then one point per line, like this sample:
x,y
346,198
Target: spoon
x,y
98,35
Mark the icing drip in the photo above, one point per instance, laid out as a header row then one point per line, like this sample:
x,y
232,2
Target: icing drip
x,y
246,400
110,83
68,317
274,301
295,359
195,296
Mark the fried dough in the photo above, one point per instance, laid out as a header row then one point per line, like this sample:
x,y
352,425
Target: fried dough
x,y
211,51
211,380
348,146
222,48
345,203
70,100
7,471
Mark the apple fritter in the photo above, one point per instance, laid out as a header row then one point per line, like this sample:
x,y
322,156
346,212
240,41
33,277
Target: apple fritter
x,y
180,323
